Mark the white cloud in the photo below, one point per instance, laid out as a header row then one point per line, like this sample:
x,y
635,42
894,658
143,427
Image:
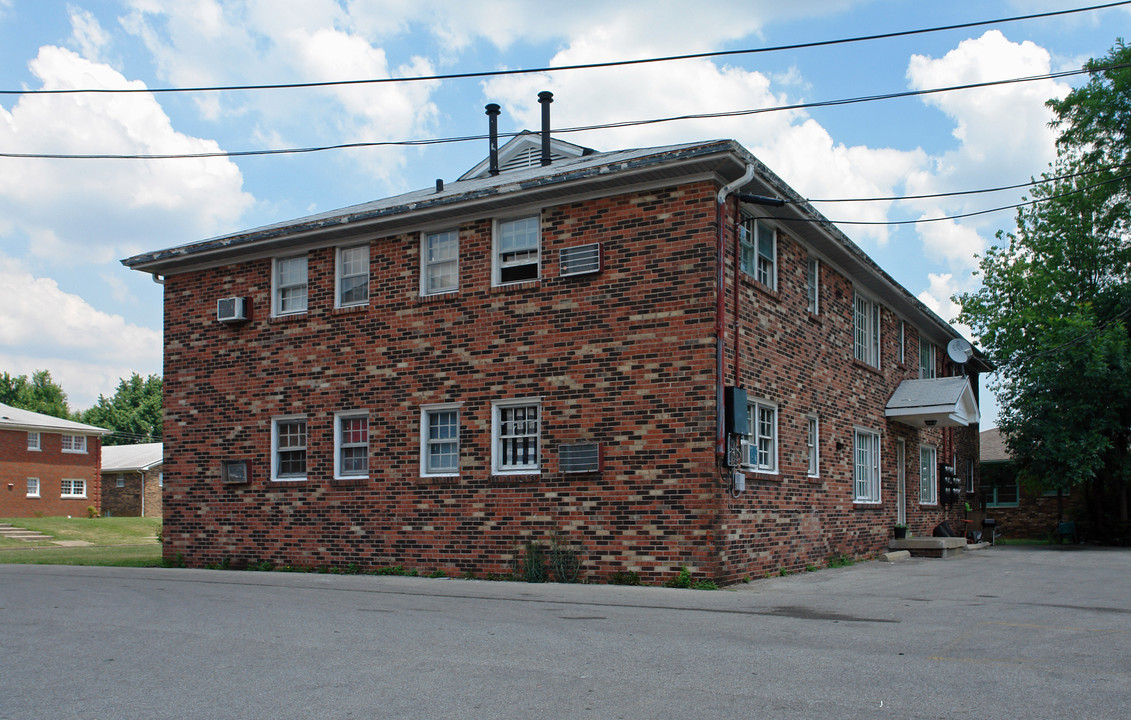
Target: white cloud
x,y
87,34
938,297
44,327
92,210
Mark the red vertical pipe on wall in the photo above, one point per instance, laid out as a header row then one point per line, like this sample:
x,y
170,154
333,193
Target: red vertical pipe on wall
x,y
720,306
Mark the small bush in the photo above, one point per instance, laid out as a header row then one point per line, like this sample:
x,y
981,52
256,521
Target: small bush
x,y
625,578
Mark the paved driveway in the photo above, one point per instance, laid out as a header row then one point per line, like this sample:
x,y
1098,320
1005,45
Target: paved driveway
x,y
1002,633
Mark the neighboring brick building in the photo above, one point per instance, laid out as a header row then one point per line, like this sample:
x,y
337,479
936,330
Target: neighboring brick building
x,y
48,466
132,479
434,378
1019,511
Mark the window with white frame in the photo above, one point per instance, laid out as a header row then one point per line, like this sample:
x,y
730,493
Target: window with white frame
x,y
440,258
289,280
70,488
758,251
73,443
515,437
762,442
813,445
34,442
439,440
969,475
288,448
121,481
928,475
814,284
516,253
353,276
867,326
33,487
351,445
926,359
866,467
902,342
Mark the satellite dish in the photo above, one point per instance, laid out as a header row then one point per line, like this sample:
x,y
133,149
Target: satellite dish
x,y
960,351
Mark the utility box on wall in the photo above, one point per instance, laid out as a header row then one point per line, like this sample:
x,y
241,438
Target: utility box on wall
x,y
737,420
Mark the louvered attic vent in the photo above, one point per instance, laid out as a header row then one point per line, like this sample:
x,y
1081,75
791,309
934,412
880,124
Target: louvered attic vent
x,y
580,458
580,260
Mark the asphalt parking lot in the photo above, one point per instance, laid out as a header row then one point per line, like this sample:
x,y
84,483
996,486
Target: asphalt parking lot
x,y
1041,632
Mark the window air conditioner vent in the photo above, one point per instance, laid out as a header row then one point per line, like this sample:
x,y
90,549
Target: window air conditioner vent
x,y
581,458
231,310
580,260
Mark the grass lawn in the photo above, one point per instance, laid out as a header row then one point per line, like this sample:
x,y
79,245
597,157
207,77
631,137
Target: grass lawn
x,y
114,541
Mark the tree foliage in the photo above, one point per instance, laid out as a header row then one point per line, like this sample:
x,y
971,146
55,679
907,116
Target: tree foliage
x,y
39,394
134,413
1055,306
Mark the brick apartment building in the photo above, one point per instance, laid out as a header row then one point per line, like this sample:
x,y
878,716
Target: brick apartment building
x,y
556,349
132,479
49,467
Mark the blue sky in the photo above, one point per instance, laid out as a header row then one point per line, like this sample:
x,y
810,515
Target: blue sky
x,y
67,304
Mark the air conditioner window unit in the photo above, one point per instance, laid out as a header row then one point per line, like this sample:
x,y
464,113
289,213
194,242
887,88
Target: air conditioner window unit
x,y
581,458
231,309
580,259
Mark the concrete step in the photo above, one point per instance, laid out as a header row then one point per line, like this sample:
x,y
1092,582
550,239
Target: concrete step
x,y
930,546
18,533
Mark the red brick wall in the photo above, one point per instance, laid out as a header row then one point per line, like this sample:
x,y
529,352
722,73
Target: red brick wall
x,y
51,465
624,357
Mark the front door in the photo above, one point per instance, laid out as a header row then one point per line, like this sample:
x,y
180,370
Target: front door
x,y
901,487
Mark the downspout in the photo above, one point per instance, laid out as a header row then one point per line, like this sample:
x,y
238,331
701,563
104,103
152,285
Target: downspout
x,y
141,476
720,306
158,279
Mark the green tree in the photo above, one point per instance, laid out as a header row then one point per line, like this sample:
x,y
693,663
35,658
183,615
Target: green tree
x,y
39,393
1054,309
134,413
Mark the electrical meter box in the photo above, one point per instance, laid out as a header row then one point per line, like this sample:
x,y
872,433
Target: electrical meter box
x,y
737,422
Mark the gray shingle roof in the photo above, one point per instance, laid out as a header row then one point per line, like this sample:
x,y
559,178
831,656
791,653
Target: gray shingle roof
x,y
18,419
121,458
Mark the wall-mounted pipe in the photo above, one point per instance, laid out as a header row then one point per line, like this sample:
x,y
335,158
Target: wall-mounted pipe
x,y
545,98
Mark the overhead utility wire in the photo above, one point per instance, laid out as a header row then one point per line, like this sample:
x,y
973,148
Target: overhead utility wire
x,y
582,128
581,66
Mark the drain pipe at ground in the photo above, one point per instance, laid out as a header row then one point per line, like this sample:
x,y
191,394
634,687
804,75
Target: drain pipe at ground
x,y
720,308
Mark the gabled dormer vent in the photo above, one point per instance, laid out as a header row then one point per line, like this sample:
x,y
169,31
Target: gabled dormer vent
x,y
580,259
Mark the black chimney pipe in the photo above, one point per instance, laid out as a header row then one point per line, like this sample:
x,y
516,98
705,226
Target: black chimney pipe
x,y
493,132
545,97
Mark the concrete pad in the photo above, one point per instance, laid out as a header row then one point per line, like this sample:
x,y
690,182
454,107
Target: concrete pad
x,y
895,556
73,543
930,546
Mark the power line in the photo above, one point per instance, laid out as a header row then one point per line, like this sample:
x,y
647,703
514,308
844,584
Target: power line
x,y
567,130
582,66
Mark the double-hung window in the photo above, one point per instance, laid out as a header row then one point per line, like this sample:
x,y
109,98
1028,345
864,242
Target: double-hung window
x,y
439,440
762,443
351,441
440,255
72,488
516,253
74,443
288,449
33,441
926,359
866,467
928,475
353,276
289,281
758,251
33,487
813,275
813,446
867,327
515,435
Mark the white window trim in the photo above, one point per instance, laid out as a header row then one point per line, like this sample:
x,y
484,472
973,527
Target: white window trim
x,y
276,288
902,342
76,440
425,264
38,487
338,417
929,475
427,410
496,265
34,441
932,359
339,276
496,421
752,235
275,448
872,330
813,284
874,495
72,494
813,451
750,442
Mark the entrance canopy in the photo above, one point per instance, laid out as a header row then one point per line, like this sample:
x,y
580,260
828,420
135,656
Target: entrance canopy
x,y
935,402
